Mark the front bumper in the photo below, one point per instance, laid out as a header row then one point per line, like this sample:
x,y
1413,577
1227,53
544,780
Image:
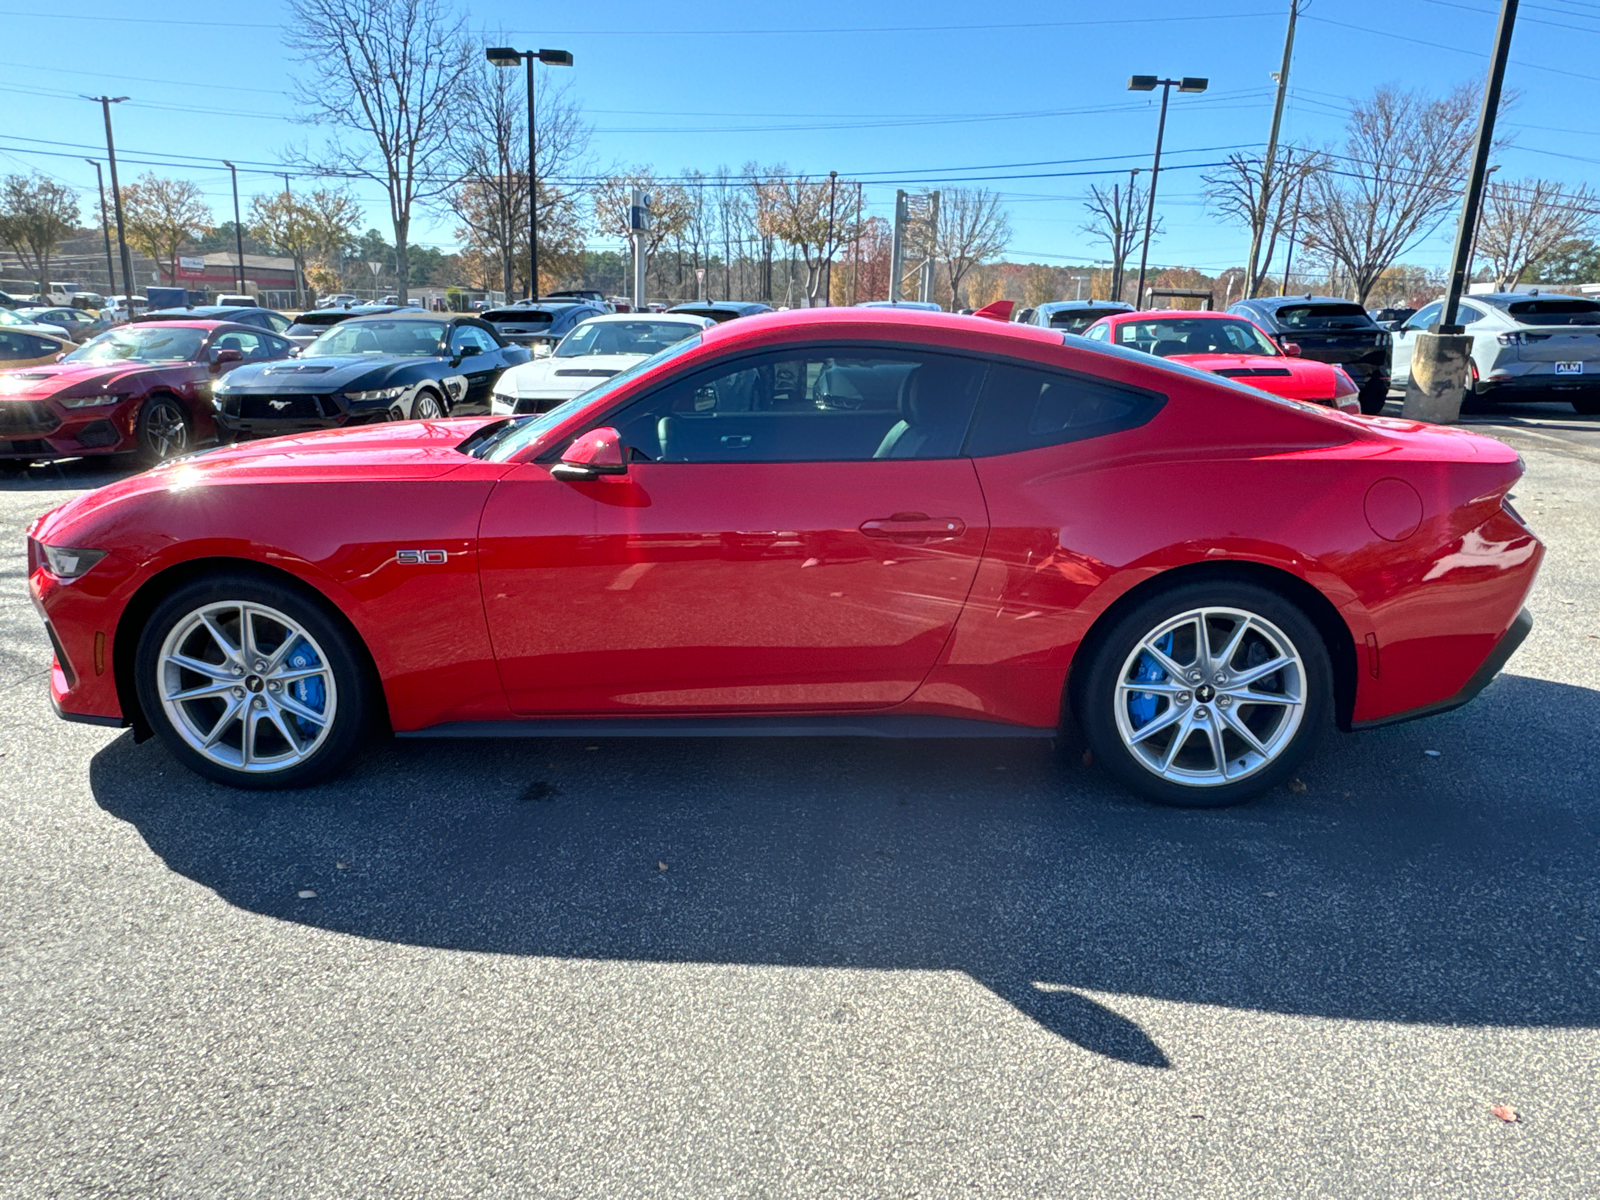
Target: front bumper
x,y
39,429
245,416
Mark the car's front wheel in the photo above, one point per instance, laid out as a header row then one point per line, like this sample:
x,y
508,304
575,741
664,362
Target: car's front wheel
x,y
1206,694
250,683
163,429
427,406
1373,397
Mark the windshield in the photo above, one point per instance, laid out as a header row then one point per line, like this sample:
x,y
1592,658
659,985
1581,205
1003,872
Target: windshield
x,y
1324,316
141,345
7,317
411,339
1195,335
1556,312
623,337
518,434
1075,320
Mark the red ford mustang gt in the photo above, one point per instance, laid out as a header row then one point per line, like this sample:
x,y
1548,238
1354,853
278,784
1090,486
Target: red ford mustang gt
x,y
139,389
862,522
1231,346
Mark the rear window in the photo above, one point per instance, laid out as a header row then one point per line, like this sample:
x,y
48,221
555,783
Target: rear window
x,y
1075,320
1323,316
316,320
519,316
1555,312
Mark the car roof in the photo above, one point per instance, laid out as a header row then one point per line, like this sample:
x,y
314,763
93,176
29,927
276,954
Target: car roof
x,y
720,305
1503,299
672,318
884,323
1050,306
190,323
1152,314
364,310
1271,303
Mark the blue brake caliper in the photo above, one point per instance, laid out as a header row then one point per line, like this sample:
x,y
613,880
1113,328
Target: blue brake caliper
x,y
1142,705
312,692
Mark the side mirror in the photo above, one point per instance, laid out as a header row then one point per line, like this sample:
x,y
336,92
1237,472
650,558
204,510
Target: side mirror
x,y
543,349
1292,349
591,455
468,351
225,355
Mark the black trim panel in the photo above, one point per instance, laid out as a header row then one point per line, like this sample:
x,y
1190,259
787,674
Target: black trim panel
x,y
864,725
1481,678
86,719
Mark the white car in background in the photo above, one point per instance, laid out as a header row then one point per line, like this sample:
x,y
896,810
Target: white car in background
x,y
594,351
1525,346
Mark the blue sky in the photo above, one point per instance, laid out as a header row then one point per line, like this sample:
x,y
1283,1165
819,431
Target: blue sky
x,y
890,90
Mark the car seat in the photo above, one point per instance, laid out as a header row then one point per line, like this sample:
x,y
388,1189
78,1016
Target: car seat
x,y
366,343
929,420
1167,347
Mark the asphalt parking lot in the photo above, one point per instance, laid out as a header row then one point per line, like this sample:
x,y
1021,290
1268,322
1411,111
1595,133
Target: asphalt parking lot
x,y
752,968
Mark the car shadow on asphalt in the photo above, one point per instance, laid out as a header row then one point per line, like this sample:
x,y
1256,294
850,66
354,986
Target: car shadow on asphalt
x,y
1454,888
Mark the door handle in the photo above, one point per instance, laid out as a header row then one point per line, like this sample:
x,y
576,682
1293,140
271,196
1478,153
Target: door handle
x,y
914,527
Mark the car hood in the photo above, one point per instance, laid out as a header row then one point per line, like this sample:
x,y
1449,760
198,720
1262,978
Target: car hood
x,y
401,450
32,383
1296,378
318,374
546,374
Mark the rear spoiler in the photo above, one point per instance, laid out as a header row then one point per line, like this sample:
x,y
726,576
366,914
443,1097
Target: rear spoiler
x,y
1000,310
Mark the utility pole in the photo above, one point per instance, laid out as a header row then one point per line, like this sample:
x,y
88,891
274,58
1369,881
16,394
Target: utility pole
x,y
855,268
1122,227
288,223
116,198
105,226
1294,232
827,266
1272,150
238,230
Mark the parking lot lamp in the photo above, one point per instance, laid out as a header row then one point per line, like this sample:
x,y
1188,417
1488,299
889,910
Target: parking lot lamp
x,y
105,225
1149,83
105,103
504,56
238,230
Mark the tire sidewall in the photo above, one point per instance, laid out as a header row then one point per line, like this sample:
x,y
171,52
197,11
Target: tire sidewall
x,y
1093,703
438,403
350,717
146,451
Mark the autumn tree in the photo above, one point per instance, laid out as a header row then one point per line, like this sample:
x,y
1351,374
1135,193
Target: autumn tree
x,y
1531,219
161,216
805,212
314,230
1116,217
1393,182
863,269
36,215
973,229
1038,286
612,196
390,73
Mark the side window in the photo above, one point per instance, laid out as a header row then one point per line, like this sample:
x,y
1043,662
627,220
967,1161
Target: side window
x,y
1099,333
1468,315
470,335
276,322
275,347
247,344
1421,320
817,404
1027,407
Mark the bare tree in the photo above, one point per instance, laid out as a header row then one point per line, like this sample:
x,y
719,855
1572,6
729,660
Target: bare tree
x,y
796,209
1235,190
162,216
1114,219
1526,220
669,208
1394,182
36,215
973,228
390,72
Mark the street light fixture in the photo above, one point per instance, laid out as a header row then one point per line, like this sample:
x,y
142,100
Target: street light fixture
x,y
105,225
1149,83
505,56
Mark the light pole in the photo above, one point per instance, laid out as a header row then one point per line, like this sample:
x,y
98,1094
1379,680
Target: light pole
x,y
238,231
1149,83
105,226
503,56
105,103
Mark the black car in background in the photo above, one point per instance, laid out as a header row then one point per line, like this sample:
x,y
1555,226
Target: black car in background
x,y
403,365
541,323
721,310
1330,330
1074,316
309,326
261,318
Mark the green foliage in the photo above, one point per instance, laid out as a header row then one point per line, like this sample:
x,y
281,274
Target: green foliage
x,y
1576,262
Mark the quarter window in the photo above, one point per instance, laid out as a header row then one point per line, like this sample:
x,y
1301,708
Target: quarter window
x,y
1024,408
818,404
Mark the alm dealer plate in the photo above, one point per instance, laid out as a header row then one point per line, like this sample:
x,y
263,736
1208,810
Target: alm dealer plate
x,y
1569,368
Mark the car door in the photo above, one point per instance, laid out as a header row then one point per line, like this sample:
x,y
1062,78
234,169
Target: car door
x,y
1405,343
476,357
796,530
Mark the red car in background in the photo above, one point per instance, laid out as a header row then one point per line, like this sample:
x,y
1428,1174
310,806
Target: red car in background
x,y
860,522
1234,348
137,389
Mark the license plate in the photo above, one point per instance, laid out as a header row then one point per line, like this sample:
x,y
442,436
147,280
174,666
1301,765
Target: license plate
x,y
1575,368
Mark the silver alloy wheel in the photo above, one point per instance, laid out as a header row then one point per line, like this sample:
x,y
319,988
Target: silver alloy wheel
x,y
1210,697
166,433
426,408
246,686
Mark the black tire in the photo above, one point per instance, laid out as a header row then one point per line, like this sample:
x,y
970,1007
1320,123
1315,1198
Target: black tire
x,y
352,711
164,429
13,466
427,396
1474,401
1373,398
1094,691
1588,406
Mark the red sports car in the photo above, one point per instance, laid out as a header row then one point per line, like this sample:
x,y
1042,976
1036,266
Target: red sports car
x,y
835,521
140,389
1234,348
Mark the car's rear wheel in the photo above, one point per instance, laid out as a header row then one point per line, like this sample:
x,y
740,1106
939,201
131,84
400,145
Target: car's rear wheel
x,y
1206,694
250,683
1373,398
163,429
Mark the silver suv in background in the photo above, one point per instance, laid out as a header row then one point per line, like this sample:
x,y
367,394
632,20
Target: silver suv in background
x,y
1525,346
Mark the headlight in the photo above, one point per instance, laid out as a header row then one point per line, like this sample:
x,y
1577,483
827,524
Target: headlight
x,y
505,398
94,401
66,563
389,393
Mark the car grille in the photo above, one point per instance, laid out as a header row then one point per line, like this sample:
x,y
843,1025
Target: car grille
x,y
295,406
20,418
1251,372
